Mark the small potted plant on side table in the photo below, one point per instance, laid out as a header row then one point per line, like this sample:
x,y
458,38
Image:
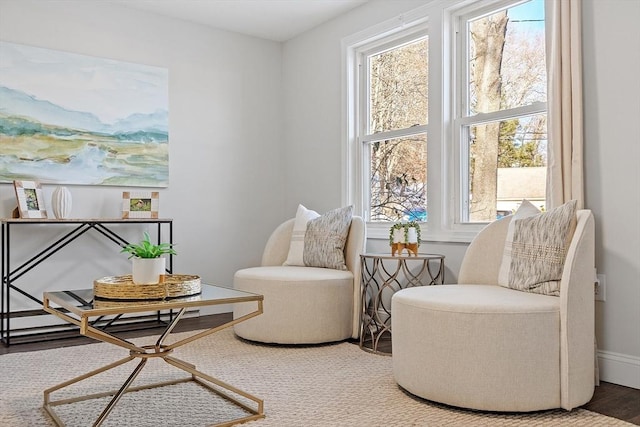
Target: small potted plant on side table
x,y
148,263
405,236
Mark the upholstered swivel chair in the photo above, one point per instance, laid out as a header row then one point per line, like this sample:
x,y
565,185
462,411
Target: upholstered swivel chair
x,y
302,305
482,346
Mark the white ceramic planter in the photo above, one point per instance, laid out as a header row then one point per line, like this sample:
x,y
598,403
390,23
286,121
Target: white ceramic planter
x,y
147,271
61,202
412,235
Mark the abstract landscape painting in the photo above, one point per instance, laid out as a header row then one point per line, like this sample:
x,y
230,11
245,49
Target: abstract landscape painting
x,y
74,119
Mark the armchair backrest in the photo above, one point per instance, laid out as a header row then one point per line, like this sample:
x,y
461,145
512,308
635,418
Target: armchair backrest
x,y
277,247
578,366
481,262
354,247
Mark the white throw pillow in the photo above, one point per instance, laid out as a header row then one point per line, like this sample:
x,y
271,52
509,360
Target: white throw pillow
x,y
296,246
536,247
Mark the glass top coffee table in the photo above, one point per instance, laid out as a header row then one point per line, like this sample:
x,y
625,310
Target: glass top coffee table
x,y
79,308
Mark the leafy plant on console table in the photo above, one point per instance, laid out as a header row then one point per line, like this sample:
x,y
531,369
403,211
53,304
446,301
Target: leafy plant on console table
x,y
146,249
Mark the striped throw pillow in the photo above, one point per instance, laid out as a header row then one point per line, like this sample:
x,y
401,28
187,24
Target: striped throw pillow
x,y
325,239
536,247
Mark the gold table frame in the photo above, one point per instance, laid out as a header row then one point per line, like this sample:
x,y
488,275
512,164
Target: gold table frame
x,y
379,281
67,307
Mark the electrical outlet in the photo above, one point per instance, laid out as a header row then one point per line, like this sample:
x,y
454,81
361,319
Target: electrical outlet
x,y
600,287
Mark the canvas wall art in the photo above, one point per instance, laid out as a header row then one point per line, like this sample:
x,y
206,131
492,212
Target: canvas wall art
x,y
74,119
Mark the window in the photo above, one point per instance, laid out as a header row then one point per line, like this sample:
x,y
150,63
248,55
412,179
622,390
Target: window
x,y
394,137
454,96
500,124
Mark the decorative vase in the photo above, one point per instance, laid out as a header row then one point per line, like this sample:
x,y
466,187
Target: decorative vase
x,y
147,271
61,202
398,235
412,235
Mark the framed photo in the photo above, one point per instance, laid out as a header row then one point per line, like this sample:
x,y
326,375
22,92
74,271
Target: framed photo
x,y
30,200
140,204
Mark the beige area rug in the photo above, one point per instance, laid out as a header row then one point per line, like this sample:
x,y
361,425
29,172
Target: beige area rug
x,y
331,385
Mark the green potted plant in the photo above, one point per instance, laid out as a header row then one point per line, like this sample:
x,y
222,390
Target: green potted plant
x,y
404,236
147,261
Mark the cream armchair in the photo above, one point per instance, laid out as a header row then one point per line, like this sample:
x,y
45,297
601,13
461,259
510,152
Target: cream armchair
x,y
482,346
302,305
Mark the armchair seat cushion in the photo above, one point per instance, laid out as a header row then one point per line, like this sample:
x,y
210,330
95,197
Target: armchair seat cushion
x,y
479,299
471,358
284,274
302,305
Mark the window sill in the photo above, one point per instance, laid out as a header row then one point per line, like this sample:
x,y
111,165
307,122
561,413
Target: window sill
x,y
377,231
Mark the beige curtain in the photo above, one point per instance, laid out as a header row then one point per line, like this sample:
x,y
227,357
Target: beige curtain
x,y
564,98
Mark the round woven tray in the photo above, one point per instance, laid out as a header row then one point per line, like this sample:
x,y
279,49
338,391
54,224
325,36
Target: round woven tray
x,y
117,303
123,288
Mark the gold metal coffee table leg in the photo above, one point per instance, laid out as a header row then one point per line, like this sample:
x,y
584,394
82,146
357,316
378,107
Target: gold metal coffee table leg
x,y
144,354
49,404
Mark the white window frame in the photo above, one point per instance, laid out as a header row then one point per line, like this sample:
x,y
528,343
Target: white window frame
x,y
440,20
461,119
410,26
365,138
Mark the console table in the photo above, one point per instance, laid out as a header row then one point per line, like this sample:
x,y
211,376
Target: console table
x,y
382,276
72,229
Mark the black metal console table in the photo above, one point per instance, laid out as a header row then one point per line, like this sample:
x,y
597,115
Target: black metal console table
x,y
10,274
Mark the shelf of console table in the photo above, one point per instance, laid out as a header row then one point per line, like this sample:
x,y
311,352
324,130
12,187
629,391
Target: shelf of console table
x,y
10,274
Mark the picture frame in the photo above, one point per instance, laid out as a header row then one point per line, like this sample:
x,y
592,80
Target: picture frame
x,y
140,204
30,199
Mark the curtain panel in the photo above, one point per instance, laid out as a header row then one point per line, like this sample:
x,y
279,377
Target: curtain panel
x,y
565,179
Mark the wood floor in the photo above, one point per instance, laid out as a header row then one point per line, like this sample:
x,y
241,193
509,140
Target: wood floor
x,y
609,399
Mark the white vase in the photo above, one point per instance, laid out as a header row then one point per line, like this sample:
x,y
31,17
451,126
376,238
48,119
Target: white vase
x,y
412,235
61,202
147,271
398,235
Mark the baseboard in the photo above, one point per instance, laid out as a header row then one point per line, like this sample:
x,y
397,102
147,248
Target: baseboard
x,y
619,368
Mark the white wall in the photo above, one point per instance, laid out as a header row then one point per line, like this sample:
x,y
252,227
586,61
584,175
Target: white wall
x,y
611,47
313,114
225,108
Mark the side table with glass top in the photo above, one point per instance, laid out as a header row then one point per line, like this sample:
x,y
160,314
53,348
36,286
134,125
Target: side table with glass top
x,y
79,307
382,276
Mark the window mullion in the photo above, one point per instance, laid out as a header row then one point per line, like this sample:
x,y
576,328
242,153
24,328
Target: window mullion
x,y
394,134
362,120
494,116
